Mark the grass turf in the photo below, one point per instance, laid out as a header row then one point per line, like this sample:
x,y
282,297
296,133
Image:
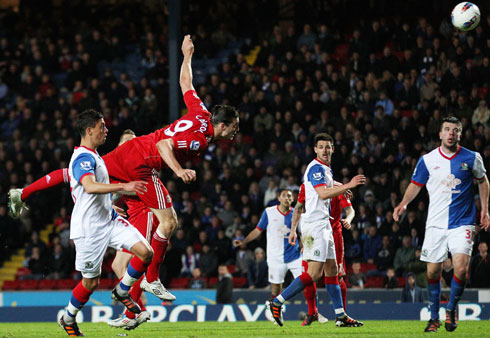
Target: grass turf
x,y
245,329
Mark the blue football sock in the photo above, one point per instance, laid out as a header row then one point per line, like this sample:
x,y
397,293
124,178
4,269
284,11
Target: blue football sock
x,y
457,288
336,298
434,288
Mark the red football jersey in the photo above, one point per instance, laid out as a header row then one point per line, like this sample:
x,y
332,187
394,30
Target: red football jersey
x,y
336,205
191,134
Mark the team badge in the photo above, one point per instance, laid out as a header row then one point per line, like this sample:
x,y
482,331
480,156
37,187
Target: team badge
x,y
316,253
89,265
425,253
464,166
194,145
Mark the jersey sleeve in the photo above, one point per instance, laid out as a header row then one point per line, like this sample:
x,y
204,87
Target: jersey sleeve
x,y
478,167
316,176
83,165
301,195
264,220
420,174
194,103
344,202
190,142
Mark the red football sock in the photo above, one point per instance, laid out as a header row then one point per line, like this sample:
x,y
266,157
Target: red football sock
x,y
135,294
310,295
81,293
52,179
159,246
343,291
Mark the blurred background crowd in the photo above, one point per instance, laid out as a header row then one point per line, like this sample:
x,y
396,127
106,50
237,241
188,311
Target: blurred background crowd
x,y
380,85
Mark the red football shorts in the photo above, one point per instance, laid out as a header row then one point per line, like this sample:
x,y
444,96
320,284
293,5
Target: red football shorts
x,y
145,222
125,164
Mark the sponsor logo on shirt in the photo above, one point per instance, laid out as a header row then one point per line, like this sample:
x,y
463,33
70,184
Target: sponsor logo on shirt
x,y
436,167
194,145
85,165
284,230
451,182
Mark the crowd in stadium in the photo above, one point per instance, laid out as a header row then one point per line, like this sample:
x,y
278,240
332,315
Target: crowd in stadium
x,y
381,89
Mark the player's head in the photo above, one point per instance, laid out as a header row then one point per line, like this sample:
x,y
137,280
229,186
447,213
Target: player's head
x,y
91,125
126,136
285,198
225,121
450,132
323,147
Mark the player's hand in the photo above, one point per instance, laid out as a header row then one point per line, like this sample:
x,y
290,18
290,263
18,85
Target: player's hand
x,y
292,238
187,46
120,211
237,243
400,209
136,186
357,180
348,194
485,221
187,175
345,224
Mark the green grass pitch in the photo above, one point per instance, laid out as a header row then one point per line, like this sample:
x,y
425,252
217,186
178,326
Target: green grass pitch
x,y
246,329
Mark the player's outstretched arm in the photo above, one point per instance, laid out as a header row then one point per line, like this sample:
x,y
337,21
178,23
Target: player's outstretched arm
x,y
166,150
91,186
483,189
252,236
411,192
326,193
186,68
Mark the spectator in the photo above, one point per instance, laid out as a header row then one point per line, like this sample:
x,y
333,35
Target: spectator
x,y
36,242
383,259
243,257
372,244
481,114
208,261
390,281
403,256
190,260
419,269
58,263
224,291
357,279
412,293
37,264
353,248
257,274
197,281
480,268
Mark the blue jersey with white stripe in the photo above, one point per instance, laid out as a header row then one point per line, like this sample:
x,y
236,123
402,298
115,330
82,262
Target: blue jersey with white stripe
x,y
278,227
449,181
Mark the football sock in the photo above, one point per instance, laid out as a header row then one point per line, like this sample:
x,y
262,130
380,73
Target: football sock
x,y
294,288
135,293
136,268
343,291
52,179
159,243
311,298
457,288
79,297
333,289
434,288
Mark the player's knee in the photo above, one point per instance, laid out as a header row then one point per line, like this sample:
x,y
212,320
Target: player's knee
x,y
90,283
147,255
460,272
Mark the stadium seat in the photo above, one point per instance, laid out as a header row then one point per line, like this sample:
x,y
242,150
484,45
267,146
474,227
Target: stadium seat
x,y
401,282
65,284
107,283
239,282
22,272
47,284
10,285
212,282
231,268
179,283
28,284
375,282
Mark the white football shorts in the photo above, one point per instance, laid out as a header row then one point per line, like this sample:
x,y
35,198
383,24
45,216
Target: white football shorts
x,y
438,242
278,270
90,250
317,238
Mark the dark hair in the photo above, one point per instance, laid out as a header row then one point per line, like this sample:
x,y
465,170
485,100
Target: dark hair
x,y
128,132
223,113
451,119
88,119
323,137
